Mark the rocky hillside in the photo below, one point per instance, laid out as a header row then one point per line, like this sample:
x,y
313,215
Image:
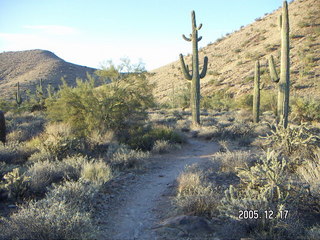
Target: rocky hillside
x,y
232,58
28,67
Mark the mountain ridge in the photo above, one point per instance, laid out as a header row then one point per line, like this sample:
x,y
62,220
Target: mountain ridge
x,y
28,67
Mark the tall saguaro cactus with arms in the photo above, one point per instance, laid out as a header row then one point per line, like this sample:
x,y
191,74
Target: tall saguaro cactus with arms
x,y
195,76
284,80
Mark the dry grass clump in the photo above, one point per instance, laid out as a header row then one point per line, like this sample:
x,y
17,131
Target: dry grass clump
x,y
230,161
162,146
120,156
195,195
97,172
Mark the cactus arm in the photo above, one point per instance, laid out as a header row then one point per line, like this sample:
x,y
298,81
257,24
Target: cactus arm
x,y
185,38
185,68
205,66
200,26
280,21
272,69
199,39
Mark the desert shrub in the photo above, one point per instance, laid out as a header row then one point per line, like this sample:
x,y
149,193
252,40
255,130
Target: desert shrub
x,y
208,133
230,161
111,106
13,152
219,101
237,130
161,146
97,172
196,195
48,219
144,138
24,126
246,101
314,233
264,186
306,109
78,194
309,174
16,184
123,157
294,141
268,101
59,141
44,174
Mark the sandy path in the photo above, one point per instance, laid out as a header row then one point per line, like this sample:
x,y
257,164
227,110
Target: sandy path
x,y
134,212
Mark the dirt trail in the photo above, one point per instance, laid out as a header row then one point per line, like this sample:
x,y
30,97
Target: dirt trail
x,y
133,213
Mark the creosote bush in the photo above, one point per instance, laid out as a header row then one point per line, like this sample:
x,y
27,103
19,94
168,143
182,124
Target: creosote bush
x,y
112,106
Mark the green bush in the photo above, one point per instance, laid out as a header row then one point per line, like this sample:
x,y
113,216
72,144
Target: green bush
x,y
219,101
306,109
145,138
112,106
268,101
246,101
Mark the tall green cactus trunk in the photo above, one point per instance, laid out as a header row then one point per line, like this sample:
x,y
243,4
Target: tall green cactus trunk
x,y
284,80
2,128
256,93
195,76
18,95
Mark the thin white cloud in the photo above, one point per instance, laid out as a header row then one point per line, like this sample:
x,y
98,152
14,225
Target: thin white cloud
x,y
53,29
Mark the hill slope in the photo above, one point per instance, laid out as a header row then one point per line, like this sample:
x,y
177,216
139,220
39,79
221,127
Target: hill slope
x,y
232,58
28,67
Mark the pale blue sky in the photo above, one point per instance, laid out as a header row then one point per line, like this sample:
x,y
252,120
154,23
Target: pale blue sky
x,y
90,32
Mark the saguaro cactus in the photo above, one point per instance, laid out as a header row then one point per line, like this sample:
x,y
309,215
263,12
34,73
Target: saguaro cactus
x,y
256,93
284,80
18,95
194,77
2,128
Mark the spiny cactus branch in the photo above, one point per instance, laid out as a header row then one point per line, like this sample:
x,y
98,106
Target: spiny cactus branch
x,y
200,26
199,39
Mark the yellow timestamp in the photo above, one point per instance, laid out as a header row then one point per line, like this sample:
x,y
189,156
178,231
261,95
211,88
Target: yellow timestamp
x,y
264,214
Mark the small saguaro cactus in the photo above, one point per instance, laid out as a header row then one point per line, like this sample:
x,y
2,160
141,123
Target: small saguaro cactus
x,y
18,95
195,76
284,80
256,93
2,128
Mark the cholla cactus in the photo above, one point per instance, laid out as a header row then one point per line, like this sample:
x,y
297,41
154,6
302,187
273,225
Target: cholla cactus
x,y
16,184
284,80
195,76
